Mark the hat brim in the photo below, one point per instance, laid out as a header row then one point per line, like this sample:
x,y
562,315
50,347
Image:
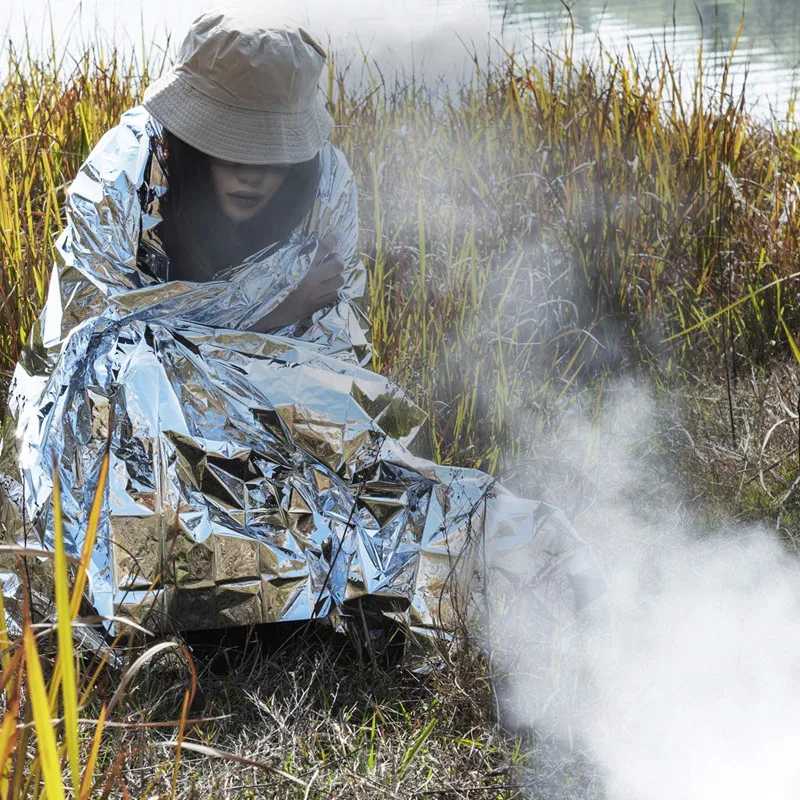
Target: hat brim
x,y
236,134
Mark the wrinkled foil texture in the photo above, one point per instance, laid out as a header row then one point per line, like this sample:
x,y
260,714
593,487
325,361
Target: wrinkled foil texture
x,y
253,478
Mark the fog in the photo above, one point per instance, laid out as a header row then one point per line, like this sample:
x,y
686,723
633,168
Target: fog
x,y
683,681
438,38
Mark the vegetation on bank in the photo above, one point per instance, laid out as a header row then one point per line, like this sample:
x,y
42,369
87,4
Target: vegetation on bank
x,y
530,237
560,219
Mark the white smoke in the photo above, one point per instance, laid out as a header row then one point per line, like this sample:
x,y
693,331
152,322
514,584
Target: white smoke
x,y
684,680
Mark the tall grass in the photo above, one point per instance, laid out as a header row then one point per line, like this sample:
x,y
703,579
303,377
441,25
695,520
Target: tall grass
x,y
49,120
532,232
559,220
31,754
551,218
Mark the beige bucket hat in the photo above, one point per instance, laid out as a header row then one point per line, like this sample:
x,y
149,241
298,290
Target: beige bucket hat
x,y
245,89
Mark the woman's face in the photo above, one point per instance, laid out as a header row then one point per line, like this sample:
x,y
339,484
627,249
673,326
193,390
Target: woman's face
x,y
243,190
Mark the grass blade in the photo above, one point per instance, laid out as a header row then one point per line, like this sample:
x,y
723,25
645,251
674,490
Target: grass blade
x,y
5,658
91,761
8,728
133,670
215,752
707,320
91,536
790,338
45,735
181,730
413,751
66,655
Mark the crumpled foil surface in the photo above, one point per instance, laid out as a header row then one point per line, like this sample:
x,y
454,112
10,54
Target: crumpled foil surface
x,y
253,478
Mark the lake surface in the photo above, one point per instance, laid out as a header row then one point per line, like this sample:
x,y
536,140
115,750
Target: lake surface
x,y
437,37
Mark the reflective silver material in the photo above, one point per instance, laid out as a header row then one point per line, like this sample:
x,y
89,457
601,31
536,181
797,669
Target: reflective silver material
x,y
253,477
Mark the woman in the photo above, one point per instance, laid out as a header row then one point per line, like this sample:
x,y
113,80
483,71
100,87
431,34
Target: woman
x,y
203,325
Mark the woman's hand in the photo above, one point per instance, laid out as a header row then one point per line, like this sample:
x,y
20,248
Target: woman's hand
x,y
318,289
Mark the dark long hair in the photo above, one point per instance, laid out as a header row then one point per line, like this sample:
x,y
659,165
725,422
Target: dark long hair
x,y
196,235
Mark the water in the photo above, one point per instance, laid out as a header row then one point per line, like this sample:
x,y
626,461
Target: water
x,y
437,37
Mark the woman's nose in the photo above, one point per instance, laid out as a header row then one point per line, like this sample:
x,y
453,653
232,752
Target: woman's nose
x,y
252,175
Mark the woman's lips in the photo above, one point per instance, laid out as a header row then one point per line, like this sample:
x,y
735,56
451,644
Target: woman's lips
x,y
245,199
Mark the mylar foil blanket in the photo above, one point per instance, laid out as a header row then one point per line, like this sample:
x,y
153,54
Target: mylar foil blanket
x,y
253,477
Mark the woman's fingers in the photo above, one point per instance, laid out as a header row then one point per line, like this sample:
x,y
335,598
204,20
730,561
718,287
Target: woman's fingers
x,y
326,276
327,270
330,270
318,289
330,240
328,291
326,247
335,283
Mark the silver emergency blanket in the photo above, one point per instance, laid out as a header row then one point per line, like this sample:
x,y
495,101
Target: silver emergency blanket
x,y
253,478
